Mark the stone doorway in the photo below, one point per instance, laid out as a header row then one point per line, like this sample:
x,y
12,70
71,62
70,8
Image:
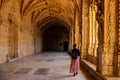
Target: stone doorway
x,y
65,46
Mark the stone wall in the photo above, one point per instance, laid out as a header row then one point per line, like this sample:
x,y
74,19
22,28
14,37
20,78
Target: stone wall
x,y
26,37
16,35
8,28
38,40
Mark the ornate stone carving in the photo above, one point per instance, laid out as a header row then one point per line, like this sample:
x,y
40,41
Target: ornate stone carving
x,y
11,16
100,19
109,36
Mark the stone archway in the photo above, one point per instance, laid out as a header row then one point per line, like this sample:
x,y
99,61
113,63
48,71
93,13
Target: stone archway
x,y
52,34
54,38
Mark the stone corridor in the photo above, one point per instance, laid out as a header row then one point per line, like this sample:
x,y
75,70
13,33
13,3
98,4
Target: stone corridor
x,y
42,66
30,28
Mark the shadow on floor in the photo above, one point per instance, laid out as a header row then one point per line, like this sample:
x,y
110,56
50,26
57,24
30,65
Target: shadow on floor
x,y
86,73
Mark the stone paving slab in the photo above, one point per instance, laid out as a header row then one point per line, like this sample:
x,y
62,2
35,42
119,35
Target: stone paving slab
x,y
23,71
41,67
42,71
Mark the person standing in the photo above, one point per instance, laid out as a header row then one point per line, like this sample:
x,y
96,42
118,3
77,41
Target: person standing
x,y
75,64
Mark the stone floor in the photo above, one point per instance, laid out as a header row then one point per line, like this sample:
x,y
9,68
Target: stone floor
x,y
113,78
42,66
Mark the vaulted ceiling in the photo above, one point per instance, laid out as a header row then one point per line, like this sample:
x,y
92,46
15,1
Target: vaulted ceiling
x,y
61,10
40,9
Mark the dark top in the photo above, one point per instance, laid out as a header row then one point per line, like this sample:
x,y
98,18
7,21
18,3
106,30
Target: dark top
x,y
75,53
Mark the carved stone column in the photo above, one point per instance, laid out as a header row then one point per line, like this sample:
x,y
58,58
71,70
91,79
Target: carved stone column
x,y
109,37
77,31
85,28
99,16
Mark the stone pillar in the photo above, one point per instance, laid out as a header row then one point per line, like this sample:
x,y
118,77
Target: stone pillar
x,y
85,28
100,19
109,37
78,24
70,38
77,31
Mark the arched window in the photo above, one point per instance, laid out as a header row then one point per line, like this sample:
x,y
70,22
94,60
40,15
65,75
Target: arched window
x,y
93,30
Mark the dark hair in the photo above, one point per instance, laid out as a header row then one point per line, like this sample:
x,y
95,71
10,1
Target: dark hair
x,y
74,45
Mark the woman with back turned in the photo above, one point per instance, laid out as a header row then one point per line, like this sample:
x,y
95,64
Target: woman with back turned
x,y
75,67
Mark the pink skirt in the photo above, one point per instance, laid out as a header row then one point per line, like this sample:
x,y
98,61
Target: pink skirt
x,y
75,65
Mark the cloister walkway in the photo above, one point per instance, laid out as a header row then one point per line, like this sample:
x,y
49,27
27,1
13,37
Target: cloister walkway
x,y
42,66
